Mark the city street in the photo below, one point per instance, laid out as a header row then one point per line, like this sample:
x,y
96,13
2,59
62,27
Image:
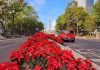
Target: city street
x,y
88,48
8,45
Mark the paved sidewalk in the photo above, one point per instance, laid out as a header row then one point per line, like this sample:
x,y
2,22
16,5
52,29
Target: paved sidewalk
x,y
2,38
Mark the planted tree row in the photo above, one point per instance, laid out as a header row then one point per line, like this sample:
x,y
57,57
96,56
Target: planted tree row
x,y
16,17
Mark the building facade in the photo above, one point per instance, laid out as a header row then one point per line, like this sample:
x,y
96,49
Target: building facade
x,y
87,4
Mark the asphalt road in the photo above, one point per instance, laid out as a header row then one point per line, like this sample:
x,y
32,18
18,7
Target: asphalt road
x,y
87,47
8,45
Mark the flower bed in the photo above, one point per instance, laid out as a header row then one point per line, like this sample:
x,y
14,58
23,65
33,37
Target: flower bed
x,y
53,37
39,53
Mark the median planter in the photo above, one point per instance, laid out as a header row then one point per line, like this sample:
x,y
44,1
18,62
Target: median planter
x,y
40,53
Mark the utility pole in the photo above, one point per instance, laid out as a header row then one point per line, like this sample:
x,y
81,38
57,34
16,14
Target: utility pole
x,y
48,24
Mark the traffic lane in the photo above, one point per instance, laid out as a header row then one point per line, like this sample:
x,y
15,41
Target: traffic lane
x,y
6,49
84,44
88,48
88,44
4,52
10,41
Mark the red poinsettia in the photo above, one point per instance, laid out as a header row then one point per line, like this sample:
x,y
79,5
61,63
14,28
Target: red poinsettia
x,y
9,66
37,67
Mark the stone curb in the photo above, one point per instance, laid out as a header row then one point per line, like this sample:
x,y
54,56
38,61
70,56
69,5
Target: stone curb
x,y
77,55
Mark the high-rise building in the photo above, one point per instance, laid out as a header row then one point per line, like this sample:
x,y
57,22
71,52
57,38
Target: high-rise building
x,y
87,4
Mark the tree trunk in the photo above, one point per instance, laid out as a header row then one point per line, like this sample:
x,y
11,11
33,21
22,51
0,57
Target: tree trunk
x,y
13,27
4,29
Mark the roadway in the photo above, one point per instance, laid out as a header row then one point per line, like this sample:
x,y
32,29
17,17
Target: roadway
x,y
8,45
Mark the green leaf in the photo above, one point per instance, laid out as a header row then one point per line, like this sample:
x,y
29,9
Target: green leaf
x,y
63,67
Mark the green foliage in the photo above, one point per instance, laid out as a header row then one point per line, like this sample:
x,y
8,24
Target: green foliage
x,y
89,23
96,11
60,22
72,17
19,18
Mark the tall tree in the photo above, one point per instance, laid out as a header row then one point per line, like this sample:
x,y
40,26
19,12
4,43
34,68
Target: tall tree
x,y
3,15
60,22
96,11
89,23
14,8
73,16
26,21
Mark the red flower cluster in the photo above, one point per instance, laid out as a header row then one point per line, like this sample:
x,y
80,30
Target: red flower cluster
x,y
57,39
9,66
39,53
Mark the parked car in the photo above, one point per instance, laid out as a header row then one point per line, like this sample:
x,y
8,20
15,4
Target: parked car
x,y
67,35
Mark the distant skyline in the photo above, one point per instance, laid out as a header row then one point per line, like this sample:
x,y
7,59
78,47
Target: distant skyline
x,y
48,8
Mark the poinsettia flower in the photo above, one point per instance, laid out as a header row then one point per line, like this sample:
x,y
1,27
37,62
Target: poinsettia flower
x,y
53,63
87,61
83,65
67,54
37,67
9,66
4,65
16,55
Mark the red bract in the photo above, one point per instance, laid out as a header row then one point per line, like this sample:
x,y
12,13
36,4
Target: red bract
x,y
16,55
9,66
52,63
39,36
37,67
59,40
88,62
53,37
67,54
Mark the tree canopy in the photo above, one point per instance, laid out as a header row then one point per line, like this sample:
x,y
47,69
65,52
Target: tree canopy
x,y
72,17
96,12
19,18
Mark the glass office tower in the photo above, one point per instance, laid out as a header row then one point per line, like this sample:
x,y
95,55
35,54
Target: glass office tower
x,y
87,4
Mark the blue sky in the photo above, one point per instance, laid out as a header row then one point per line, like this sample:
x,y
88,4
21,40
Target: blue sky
x,y
45,8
